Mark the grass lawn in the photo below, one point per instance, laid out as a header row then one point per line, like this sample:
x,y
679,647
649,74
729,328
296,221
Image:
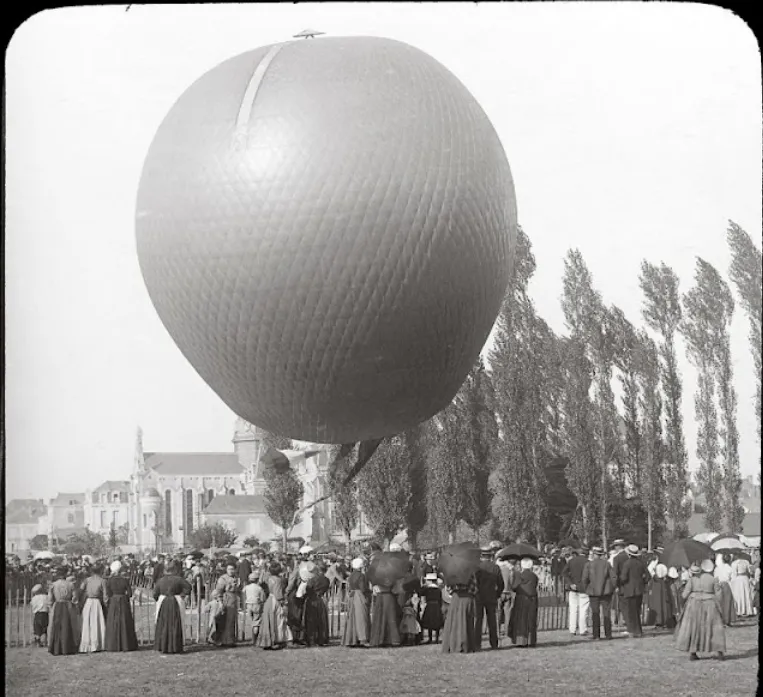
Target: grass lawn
x,y
560,665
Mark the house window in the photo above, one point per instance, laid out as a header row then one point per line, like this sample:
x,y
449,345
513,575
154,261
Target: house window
x,y
115,518
94,497
104,521
115,497
70,518
123,497
168,512
188,511
72,503
210,495
104,498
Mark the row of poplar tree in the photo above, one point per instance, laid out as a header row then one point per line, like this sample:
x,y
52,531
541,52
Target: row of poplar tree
x,y
483,462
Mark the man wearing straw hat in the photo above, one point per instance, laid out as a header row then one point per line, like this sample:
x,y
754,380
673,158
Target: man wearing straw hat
x,y
633,578
489,589
599,583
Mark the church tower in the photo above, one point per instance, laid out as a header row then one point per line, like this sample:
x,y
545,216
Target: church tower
x,y
248,446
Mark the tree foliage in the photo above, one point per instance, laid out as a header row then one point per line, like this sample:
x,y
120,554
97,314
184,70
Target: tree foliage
x,y
418,442
283,495
209,535
39,542
87,542
344,497
384,488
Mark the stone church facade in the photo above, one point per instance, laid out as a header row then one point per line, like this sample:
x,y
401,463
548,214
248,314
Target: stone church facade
x,y
171,494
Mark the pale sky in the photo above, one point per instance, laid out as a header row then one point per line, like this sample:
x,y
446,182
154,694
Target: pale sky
x,y
633,131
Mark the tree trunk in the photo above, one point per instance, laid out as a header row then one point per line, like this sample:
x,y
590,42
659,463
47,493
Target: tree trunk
x,y
477,534
412,539
284,540
348,541
648,528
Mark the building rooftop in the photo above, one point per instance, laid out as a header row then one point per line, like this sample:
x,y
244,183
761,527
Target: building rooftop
x,y
236,505
63,499
110,485
26,516
194,464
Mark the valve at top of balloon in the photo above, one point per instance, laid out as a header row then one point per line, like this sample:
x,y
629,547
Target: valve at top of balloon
x,y
326,229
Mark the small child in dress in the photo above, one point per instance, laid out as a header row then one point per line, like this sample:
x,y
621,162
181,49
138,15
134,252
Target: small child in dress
x,y
254,599
410,629
215,611
40,606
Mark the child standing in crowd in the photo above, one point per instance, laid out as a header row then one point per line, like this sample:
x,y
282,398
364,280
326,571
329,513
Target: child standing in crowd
x,y
40,606
215,611
432,617
254,599
410,629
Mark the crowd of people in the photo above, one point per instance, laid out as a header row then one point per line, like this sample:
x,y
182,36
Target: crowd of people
x,y
83,605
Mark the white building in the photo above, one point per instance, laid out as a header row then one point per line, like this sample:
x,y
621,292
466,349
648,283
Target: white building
x,y
107,506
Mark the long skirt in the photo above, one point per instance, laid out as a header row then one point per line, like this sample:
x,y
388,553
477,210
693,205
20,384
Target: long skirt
x,y
356,627
432,618
120,627
294,614
316,621
274,631
227,622
700,627
728,606
93,637
384,620
62,631
458,635
742,592
661,612
169,624
523,622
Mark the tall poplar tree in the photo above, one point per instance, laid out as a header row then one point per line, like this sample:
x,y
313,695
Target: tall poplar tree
x,y
662,312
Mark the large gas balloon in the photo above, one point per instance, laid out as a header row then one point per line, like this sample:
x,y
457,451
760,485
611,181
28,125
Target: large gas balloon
x,y
326,229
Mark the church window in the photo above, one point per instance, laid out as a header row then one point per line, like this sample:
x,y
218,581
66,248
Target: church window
x,y
188,511
168,512
122,497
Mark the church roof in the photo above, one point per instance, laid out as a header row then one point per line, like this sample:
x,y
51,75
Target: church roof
x,y
194,464
236,505
113,486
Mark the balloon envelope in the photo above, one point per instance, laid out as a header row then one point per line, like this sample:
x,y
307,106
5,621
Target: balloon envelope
x,y
326,229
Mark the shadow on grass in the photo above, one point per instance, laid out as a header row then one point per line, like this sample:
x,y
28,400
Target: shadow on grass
x,y
739,656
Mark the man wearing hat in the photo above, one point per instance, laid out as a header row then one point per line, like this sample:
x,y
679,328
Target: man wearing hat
x,y
599,583
294,603
617,558
633,578
558,563
577,599
489,589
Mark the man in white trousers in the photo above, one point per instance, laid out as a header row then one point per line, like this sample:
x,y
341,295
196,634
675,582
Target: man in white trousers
x,y
577,599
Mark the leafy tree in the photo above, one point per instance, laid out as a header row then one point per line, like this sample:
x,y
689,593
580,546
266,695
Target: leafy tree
x,y
417,442
87,542
700,328
283,495
746,274
662,312
252,541
209,535
113,541
344,496
384,488
39,542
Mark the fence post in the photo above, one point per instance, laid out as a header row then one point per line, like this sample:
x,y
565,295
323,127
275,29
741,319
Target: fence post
x,y
198,609
18,618
24,615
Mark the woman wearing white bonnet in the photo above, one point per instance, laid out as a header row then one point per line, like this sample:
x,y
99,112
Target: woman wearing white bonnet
x,y
523,622
700,628
661,610
120,627
357,627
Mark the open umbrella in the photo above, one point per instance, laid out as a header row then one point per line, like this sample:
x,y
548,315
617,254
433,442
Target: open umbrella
x,y
519,550
704,537
196,554
684,552
458,562
44,555
727,543
387,568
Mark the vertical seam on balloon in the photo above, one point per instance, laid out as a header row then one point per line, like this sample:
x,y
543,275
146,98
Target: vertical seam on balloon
x,y
247,103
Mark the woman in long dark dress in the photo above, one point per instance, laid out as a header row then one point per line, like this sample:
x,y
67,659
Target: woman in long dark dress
x,y
63,639
169,593
660,599
458,634
229,587
120,626
274,631
384,618
316,617
523,623
357,627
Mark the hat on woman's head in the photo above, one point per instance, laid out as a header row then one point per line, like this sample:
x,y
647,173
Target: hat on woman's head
x,y
307,549
694,568
526,563
661,571
707,566
306,571
116,567
357,563
673,572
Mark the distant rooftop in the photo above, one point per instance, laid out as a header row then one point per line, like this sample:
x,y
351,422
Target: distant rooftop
x,y
63,499
112,486
194,464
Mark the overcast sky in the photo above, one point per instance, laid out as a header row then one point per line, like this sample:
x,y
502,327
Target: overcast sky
x,y
632,130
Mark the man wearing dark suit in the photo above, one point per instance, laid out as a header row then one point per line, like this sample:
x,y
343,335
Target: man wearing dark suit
x,y
244,571
557,569
633,577
489,589
617,560
577,599
599,582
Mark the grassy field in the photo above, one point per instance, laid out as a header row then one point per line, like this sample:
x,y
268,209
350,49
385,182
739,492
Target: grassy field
x,y
560,665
